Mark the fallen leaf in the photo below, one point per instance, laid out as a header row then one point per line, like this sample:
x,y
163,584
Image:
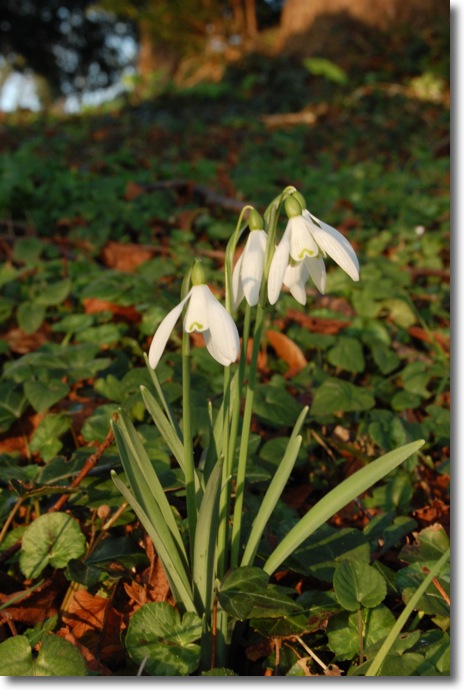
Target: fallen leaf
x,y
42,603
125,257
22,343
288,351
85,612
133,190
317,324
93,664
94,305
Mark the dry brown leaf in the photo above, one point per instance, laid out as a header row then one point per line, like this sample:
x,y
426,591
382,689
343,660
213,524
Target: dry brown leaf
x,y
85,613
133,190
41,604
317,324
288,351
125,257
93,664
22,343
94,305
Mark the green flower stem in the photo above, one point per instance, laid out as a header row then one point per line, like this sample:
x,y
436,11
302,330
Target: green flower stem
x,y
243,453
188,444
225,495
237,390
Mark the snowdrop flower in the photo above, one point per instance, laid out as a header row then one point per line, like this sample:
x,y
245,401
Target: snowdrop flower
x,y
205,315
248,272
299,255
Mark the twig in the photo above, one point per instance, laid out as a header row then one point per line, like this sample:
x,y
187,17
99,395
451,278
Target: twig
x,y
88,466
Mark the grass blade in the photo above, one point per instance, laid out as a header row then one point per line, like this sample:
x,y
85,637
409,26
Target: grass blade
x,y
336,499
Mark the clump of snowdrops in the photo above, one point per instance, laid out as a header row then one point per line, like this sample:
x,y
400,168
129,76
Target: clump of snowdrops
x,y
217,577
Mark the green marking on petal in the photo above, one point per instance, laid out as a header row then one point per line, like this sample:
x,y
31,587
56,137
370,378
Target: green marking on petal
x,y
309,252
196,326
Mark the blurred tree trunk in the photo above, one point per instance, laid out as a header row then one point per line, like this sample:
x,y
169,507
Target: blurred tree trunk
x,y
250,18
298,16
244,17
155,57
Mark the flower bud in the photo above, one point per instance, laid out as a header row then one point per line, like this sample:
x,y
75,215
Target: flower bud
x,y
255,222
197,276
292,207
300,198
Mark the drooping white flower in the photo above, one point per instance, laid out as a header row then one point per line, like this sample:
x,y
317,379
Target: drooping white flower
x,y
205,315
248,272
300,253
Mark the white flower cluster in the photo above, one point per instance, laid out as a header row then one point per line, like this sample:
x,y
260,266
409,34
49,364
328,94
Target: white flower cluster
x,y
298,257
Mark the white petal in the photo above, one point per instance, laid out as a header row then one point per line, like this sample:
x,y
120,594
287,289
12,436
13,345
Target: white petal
x,y
278,267
333,243
298,292
253,265
301,239
213,350
295,279
196,316
221,338
163,332
316,269
237,288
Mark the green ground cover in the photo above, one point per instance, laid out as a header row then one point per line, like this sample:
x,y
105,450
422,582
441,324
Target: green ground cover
x,y
100,217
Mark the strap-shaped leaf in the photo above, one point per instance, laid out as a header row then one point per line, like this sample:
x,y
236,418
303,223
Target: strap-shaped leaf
x,y
164,426
167,407
205,540
274,490
143,479
164,545
270,500
336,499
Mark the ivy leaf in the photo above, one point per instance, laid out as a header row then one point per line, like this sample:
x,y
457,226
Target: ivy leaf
x,y
30,316
42,396
54,293
343,630
347,354
12,405
275,405
52,539
358,584
157,634
319,554
244,593
56,657
336,395
46,438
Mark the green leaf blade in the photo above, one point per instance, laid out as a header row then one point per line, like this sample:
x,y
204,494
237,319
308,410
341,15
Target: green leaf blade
x,y
336,499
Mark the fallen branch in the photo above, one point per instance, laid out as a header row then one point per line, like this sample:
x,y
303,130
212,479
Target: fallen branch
x,y
206,195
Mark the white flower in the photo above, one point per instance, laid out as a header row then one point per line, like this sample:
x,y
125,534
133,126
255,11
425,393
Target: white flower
x,y
299,255
248,271
205,315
